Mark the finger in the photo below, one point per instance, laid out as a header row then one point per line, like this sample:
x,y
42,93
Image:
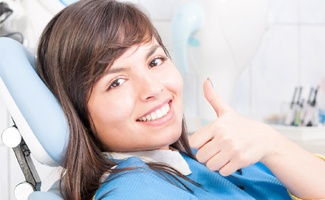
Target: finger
x,y
214,99
207,151
200,138
229,168
219,160
236,162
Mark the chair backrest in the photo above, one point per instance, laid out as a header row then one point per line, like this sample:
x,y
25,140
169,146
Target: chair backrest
x,y
33,108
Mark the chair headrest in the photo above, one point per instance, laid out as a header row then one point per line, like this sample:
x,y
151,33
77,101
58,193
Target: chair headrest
x,y
34,109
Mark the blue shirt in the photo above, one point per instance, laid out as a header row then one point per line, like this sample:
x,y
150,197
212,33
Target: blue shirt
x,y
254,182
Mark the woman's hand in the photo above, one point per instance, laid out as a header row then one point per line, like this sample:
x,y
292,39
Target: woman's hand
x,y
230,142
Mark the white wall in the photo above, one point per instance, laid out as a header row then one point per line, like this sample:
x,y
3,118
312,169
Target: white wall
x,y
291,54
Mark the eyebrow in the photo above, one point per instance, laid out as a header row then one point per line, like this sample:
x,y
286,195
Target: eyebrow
x,y
153,49
116,70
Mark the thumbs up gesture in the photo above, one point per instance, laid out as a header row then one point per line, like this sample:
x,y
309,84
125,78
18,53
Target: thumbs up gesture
x,y
231,141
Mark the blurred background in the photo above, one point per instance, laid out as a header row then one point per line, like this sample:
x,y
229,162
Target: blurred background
x,y
265,58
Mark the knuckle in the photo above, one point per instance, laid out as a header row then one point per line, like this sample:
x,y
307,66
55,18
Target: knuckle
x,y
240,158
230,143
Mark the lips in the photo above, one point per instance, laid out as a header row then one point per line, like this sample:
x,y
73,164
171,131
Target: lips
x,y
155,115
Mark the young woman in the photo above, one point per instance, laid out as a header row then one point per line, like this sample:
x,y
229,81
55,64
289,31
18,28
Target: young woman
x,y
122,97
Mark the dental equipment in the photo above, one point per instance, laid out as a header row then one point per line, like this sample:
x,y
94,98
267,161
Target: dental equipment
x,y
216,39
290,115
295,108
312,117
5,12
40,127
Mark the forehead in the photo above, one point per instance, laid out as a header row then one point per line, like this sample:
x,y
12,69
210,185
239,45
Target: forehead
x,y
139,48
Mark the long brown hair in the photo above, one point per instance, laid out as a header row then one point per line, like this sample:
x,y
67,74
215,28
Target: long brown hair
x,y
74,51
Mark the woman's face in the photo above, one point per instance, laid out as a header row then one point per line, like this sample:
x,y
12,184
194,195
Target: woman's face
x,y
137,104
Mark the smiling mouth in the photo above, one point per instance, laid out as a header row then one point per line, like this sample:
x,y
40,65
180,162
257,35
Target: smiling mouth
x,y
157,114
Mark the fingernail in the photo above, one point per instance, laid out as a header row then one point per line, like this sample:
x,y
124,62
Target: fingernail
x,y
210,82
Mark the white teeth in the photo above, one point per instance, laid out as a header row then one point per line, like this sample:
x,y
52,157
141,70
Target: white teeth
x,y
157,114
153,116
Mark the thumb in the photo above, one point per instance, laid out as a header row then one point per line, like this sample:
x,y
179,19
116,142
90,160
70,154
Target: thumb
x,y
217,103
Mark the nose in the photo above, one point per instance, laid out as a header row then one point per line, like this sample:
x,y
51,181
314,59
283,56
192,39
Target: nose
x,y
150,86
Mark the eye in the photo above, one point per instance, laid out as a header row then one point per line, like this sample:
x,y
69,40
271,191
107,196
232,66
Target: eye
x,y
116,83
157,61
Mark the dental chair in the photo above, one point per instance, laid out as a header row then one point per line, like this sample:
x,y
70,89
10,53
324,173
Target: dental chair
x,y
39,124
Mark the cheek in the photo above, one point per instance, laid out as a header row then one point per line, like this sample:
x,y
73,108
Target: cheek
x,y
111,121
108,114
179,80
175,81
175,85
171,77
111,114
